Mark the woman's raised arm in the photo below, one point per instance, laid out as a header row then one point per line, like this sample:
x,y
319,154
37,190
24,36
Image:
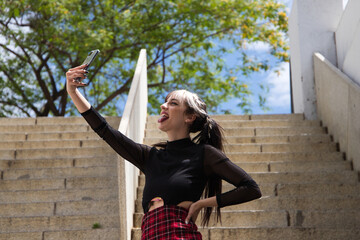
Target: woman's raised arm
x,y
71,86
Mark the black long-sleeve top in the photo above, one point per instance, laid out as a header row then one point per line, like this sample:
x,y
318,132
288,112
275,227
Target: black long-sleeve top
x,y
178,172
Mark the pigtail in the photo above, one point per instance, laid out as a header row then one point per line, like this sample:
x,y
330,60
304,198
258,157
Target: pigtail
x,y
210,133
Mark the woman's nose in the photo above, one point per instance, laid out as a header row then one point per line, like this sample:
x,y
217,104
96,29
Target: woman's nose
x,y
163,106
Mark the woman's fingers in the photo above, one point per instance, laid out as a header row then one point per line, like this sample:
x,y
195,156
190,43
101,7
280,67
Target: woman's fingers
x,y
193,213
76,73
78,67
73,74
79,84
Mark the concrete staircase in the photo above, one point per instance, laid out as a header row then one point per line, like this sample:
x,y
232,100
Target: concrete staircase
x,y
58,180
309,190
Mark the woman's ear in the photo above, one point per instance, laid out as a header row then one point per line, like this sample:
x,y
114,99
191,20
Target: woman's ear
x,y
190,118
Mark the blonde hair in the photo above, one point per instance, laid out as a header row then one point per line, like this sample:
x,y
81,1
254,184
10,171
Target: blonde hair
x,y
192,100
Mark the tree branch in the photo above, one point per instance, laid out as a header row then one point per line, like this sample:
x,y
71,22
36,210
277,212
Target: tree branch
x,y
121,90
45,90
164,68
155,59
13,52
15,105
57,60
127,6
18,88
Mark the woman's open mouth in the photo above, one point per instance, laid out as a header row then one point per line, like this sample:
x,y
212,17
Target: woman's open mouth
x,y
163,118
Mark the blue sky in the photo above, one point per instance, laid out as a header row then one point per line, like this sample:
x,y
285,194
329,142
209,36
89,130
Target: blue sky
x,y
278,97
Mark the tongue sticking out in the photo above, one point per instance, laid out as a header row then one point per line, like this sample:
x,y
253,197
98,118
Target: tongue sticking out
x,y
163,118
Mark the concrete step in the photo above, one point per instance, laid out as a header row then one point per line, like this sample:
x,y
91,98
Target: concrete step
x,y
305,203
44,128
321,189
342,219
305,166
56,223
345,177
240,219
32,184
53,121
250,132
17,121
92,182
285,156
22,235
59,162
92,234
44,136
281,147
52,144
58,183
36,163
59,208
59,172
274,233
293,233
316,138
112,120
33,196
56,124
56,152
136,233
254,123
294,117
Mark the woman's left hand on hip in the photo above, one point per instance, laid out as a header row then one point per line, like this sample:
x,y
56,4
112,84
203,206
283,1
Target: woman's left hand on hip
x,y
194,210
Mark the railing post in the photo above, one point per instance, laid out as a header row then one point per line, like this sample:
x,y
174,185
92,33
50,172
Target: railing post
x,y
132,125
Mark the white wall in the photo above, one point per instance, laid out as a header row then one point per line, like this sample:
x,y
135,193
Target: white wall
x,y
339,107
324,26
311,29
348,40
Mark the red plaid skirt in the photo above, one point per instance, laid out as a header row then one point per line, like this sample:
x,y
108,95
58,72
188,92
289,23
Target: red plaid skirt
x,y
168,222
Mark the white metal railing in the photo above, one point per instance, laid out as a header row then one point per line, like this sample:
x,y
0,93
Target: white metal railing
x,y
132,124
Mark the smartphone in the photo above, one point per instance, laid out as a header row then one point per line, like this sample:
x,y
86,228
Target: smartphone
x,y
89,59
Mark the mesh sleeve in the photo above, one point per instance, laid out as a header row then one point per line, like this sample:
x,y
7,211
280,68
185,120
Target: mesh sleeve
x,y
134,152
216,164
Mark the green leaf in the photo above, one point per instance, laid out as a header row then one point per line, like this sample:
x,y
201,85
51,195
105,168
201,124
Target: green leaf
x,y
186,41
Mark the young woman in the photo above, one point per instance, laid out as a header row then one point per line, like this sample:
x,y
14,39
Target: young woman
x,y
176,171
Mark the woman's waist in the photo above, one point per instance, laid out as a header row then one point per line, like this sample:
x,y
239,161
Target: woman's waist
x,y
158,202
168,210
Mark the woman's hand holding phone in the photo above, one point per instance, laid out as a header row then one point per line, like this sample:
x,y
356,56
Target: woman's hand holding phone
x,y
73,74
76,75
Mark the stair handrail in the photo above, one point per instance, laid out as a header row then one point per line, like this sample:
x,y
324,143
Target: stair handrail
x,y
132,125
